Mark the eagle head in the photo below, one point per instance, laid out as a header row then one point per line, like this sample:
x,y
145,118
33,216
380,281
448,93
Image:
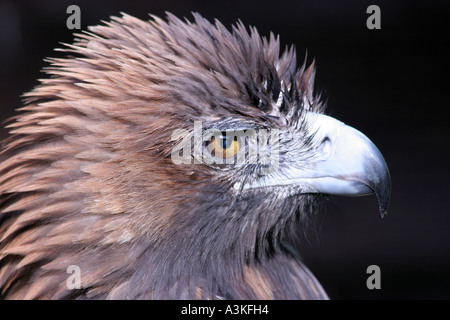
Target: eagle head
x,y
169,159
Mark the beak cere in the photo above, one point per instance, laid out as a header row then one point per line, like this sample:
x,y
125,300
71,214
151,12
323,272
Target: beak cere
x,y
346,163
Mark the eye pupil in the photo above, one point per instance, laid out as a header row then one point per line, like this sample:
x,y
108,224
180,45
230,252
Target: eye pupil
x,y
225,143
224,146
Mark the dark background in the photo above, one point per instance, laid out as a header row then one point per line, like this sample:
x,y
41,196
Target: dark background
x,y
392,84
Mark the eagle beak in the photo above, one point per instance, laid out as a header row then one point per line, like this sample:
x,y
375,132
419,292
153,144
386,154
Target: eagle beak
x,y
348,163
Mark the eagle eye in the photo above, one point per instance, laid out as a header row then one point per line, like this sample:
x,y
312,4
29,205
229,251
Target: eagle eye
x,y
224,146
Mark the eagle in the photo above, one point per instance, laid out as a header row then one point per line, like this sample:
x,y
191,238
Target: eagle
x,y
171,159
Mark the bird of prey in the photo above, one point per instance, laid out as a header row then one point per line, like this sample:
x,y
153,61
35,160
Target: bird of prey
x,y
170,159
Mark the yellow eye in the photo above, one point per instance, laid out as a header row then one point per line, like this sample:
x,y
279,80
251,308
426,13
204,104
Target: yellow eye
x,y
224,146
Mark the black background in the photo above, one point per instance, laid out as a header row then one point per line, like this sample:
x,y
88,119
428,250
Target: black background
x,y
392,84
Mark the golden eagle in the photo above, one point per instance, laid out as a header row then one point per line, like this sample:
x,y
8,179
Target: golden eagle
x,y
169,159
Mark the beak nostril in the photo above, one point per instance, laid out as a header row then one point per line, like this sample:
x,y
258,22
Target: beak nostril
x,y
326,139
326,147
